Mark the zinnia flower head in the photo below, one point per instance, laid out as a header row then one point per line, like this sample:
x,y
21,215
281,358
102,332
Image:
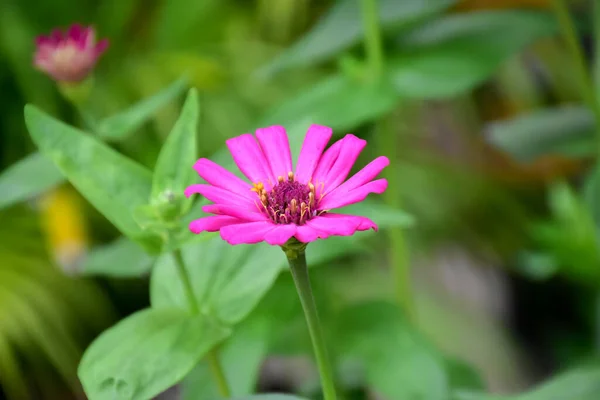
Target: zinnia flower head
x,y
280,203
69,56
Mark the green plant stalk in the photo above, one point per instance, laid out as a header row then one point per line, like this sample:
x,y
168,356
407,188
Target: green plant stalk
x,y
212,356
373,47
299,269
588,91
586,83
388,140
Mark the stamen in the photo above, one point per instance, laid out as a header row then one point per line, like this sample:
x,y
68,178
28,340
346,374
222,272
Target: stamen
x,y
293,205
258,188
289,201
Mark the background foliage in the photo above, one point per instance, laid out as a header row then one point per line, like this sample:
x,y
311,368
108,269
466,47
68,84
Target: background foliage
x,y
493,167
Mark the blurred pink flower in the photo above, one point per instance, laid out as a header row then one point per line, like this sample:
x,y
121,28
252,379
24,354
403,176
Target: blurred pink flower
x,y
70,56
282,204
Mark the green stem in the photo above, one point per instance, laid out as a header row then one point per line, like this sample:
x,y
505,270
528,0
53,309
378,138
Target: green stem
x,y
373,48
388,140
299,269
399,251
581,68
588,89
212,356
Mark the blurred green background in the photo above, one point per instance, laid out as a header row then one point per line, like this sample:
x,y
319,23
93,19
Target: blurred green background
x,y
482,96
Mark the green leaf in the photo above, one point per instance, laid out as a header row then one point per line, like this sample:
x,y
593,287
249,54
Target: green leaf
x,y
173,171
565,130
120,259
398,363
580,384
241,357
463,376
119,126
114,184
570,234
146,353
337,101
228,281
271,397
449,56
28,178
342,27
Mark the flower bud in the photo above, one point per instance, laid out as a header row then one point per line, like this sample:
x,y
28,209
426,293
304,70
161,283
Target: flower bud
x,y
69,56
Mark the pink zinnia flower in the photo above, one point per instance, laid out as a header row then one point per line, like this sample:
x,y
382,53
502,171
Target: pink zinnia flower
x,y
70,56
281,204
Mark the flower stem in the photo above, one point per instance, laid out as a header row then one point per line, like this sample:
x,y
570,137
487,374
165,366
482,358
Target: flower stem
x,y
299,269
373,48
212,356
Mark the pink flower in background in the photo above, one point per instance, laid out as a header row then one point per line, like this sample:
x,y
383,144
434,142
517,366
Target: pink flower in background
x,y
281,204
70,56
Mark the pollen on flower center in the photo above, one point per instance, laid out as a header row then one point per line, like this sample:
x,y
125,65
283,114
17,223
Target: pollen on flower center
x,y
289,202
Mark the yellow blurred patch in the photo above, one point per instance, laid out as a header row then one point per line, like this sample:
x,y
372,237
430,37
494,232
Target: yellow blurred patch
x,y
65,228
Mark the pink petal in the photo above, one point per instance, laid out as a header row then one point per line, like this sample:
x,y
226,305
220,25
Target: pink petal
x,y
315,141
56,36
276,147
234,211
212,223
306,234
75,32
325,164
250,159
341,224
280,234
350,148
218,195
354,196
250,232
363,176
101,47
218,176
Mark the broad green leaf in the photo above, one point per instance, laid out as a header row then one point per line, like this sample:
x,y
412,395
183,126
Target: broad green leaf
x,y
114,184
28,178
449,56
227,280
337,101
241,357
146,353
463,376
580,384
506,29
121,258
565,130
398,363
271,397
173,171
342,27
120,125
